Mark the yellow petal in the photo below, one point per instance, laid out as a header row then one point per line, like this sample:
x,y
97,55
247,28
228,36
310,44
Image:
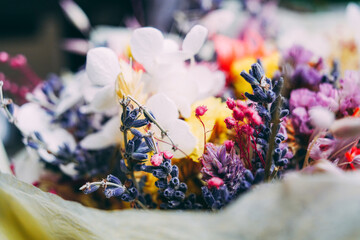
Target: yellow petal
x,y
213,119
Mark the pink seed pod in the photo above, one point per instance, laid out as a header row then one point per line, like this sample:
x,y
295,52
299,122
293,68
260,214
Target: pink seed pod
x,y
200,110
156,159
215,182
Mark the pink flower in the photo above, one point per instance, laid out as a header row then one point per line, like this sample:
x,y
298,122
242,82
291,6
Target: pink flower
x,y
242,105
230,103
238,114
156,159
200,110
18,61
230,122
167,154
215,182
229,145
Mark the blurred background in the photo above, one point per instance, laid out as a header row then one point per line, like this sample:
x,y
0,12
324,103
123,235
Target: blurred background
x,y
38,29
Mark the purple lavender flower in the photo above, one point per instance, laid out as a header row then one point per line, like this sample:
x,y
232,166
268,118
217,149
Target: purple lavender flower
x,y
304,75
297,54
226,166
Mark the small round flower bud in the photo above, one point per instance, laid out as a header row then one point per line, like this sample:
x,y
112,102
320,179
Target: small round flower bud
x,y
230,103
156,160
238,114
229,145
200,110
215,182
230,122
18,61
241,105
4,57
167,155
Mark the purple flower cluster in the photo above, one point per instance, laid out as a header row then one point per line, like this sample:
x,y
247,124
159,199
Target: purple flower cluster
x,y
340,100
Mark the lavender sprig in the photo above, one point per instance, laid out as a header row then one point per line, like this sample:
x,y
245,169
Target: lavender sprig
x,y
269,103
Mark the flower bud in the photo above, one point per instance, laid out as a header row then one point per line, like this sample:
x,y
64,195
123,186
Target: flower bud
x,y
215,182
156,160
229,145
238,114
230,122
230,103
200,110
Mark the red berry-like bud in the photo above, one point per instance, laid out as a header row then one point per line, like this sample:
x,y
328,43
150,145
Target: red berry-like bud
x,y
200,110
230,122
238,114
18,61
215,182
229,145
230,103
4,57
256,119
168,155
247,129
156,159
242,105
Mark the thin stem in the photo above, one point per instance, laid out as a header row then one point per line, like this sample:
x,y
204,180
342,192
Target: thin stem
x,y
141,204
198,117
160,140
152,119
270,151
307,156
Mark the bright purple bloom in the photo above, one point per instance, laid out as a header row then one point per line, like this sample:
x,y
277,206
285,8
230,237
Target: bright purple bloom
x,y
297,54
302,98
226,166
305,75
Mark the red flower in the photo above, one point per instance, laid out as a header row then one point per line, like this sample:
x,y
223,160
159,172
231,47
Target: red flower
x,y
200,110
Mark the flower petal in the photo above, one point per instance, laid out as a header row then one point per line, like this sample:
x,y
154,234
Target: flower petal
x,y
55,139
31,117
104,99
146,43
163,108
179,132
102,66
69,169
195,39
108,136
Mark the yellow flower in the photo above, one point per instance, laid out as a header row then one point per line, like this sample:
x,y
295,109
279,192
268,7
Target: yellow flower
x,y
270,62
129,83
213,121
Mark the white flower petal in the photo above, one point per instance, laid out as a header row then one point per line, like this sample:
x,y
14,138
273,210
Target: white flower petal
x,y
102,66
108,136
69,97
195,39
321,117
55,139
209,82
146,43
179,132
31,117
170,46
69,169
27,166
162,107
76,15
104,99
